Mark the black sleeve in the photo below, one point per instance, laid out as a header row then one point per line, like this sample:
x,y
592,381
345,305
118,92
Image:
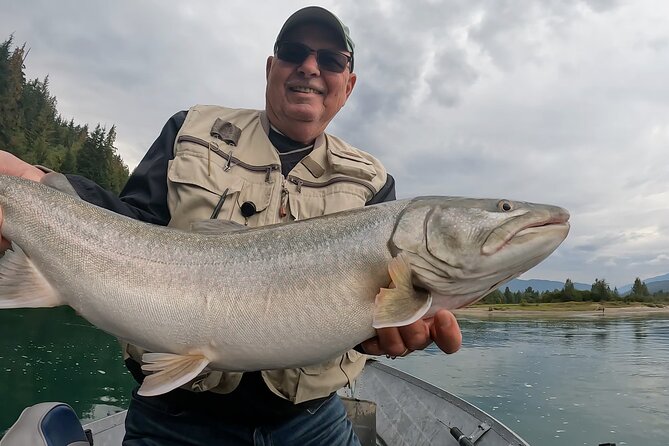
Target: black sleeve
x,y
144,196
387,192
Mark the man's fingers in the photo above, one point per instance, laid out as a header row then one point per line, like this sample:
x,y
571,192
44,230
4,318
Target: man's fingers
x,y
445,332
11,165
443,329
416,336
372,347
390,341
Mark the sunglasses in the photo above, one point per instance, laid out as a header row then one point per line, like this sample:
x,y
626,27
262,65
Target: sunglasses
x,y
329,60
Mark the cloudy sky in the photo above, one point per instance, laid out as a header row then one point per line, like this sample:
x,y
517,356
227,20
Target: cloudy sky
x,y
556,101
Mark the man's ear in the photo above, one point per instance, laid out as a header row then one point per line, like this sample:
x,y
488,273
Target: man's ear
x,y
268,66
350,84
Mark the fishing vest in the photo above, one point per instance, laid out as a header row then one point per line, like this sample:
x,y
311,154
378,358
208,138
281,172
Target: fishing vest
x,y
225,167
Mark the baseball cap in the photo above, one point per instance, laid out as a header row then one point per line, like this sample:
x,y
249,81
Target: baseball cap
x,y
316,14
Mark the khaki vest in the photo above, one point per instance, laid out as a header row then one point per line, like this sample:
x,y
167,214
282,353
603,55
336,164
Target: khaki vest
x,y
333,177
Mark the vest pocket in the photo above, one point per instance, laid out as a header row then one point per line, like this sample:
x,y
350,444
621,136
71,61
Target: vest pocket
x,y
352,164
314,202
257,196
196,186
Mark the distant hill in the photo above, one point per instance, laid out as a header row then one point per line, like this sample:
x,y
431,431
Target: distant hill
x,y
654,284
540,285
653,287
663,278
660,285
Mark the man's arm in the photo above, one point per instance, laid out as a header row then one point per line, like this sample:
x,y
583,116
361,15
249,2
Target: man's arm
x,y
387,192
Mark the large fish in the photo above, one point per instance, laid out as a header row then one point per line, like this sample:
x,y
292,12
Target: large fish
x,y
279,296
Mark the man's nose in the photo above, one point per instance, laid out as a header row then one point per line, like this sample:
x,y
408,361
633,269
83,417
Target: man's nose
x,y
310,66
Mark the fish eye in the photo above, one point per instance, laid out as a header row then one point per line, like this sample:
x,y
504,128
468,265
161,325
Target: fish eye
x,y
504,205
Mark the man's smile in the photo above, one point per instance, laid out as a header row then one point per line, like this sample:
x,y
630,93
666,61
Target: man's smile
x,y
304,89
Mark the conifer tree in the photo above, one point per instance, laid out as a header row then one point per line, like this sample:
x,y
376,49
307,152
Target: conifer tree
x,y
32,129
639,289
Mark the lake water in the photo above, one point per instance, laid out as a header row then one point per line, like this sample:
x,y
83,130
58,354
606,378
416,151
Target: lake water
x,y
567,382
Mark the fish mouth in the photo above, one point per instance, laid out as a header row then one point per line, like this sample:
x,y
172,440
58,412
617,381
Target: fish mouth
x,y
528,230
519,230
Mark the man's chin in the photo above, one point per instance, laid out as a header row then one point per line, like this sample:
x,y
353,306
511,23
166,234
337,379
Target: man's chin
x,y
304,112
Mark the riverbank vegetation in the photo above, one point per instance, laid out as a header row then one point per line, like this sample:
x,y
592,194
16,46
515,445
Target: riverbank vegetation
x,y
565,307
32,129
599,295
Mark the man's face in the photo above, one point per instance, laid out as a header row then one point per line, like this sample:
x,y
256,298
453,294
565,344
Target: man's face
x,y
301,99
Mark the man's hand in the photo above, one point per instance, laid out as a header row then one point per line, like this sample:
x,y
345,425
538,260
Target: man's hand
x,y
11,165
443,329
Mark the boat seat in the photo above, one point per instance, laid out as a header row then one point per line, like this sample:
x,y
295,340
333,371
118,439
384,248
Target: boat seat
x,y
47,424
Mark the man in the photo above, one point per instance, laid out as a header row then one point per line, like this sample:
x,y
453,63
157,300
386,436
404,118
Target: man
x,y
257,168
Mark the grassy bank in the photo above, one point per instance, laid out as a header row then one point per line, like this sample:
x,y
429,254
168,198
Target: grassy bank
x,y
560,307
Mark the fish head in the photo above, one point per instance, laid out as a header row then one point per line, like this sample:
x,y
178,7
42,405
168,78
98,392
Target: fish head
x,y
461,249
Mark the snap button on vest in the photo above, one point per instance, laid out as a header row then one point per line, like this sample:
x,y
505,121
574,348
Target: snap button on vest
x,y
248,208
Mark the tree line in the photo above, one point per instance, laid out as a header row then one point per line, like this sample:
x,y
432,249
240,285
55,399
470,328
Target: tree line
x,y
600,291
32,129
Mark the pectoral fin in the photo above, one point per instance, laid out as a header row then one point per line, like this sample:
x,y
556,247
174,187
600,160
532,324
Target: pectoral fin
x,y
170,371
22,285
402,305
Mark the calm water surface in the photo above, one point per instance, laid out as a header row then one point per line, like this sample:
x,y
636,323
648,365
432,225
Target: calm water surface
x,y
579,381
50,354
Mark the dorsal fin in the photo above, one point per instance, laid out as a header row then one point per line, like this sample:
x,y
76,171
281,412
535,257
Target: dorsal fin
x,y
59,182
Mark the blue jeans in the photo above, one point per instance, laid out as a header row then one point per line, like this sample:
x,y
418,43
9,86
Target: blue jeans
x,y
151,423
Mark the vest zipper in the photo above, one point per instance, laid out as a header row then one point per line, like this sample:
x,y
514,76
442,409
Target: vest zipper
x,y
231,160
299,183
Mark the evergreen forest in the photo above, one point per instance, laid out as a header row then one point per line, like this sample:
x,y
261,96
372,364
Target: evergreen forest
x,y
32,129
599,292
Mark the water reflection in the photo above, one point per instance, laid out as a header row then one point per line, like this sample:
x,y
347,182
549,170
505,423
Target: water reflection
x,y
54,355
577,381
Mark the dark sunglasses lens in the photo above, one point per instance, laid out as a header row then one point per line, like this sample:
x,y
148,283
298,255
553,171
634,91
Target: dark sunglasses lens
x,y
332,61
292,52
297,53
